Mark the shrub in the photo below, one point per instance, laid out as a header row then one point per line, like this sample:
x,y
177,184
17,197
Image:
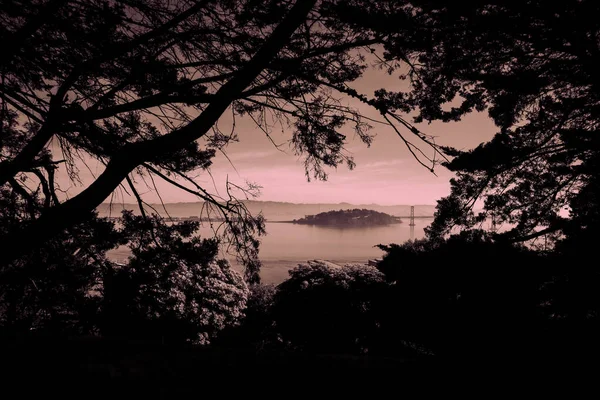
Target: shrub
x,y
256,330
192,303
172,289
464,294
330,310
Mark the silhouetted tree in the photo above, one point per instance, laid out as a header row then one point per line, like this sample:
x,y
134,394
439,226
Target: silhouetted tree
x,y
172,288
140,88
465,295
51,289
571,297
532,66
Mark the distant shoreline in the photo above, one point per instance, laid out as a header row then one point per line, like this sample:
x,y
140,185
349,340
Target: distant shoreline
x,y
177,219
270,202
271,211
405,217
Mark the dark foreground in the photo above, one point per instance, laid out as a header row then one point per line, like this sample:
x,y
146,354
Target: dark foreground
x,y
90,367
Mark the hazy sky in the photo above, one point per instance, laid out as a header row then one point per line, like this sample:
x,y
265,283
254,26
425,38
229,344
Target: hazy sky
x,y
385,173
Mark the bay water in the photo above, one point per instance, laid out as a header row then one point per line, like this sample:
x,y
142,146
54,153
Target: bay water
x,y
286,245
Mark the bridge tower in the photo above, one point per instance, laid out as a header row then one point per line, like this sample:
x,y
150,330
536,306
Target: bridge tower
x,y
412,216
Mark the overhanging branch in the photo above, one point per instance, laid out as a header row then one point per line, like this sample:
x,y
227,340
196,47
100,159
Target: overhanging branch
x,y
132,155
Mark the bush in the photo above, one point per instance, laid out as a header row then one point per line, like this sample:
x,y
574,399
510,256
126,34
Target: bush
x,y
464,294
50,290
172,289
256,331
192,303
330,310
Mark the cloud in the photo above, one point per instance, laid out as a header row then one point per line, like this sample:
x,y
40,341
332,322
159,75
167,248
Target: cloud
x,y
381,164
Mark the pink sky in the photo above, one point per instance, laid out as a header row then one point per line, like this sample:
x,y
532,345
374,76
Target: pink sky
x,y
385,173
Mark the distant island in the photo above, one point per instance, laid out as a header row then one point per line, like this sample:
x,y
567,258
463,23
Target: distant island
x,y
354,217
273,211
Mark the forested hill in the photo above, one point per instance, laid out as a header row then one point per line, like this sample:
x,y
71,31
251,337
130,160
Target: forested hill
x,y
272,210
355,217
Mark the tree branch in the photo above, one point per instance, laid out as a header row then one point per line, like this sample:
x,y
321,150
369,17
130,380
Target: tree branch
x,y
132,155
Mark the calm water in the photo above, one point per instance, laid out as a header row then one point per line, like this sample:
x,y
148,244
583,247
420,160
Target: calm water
x,y
286,245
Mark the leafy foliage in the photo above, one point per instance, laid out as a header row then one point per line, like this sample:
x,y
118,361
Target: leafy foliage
x,y
469,294
172,288
536,80
330,310
51,289
257,331
140,88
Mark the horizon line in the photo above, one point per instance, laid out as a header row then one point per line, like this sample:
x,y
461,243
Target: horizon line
x,y
282,202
